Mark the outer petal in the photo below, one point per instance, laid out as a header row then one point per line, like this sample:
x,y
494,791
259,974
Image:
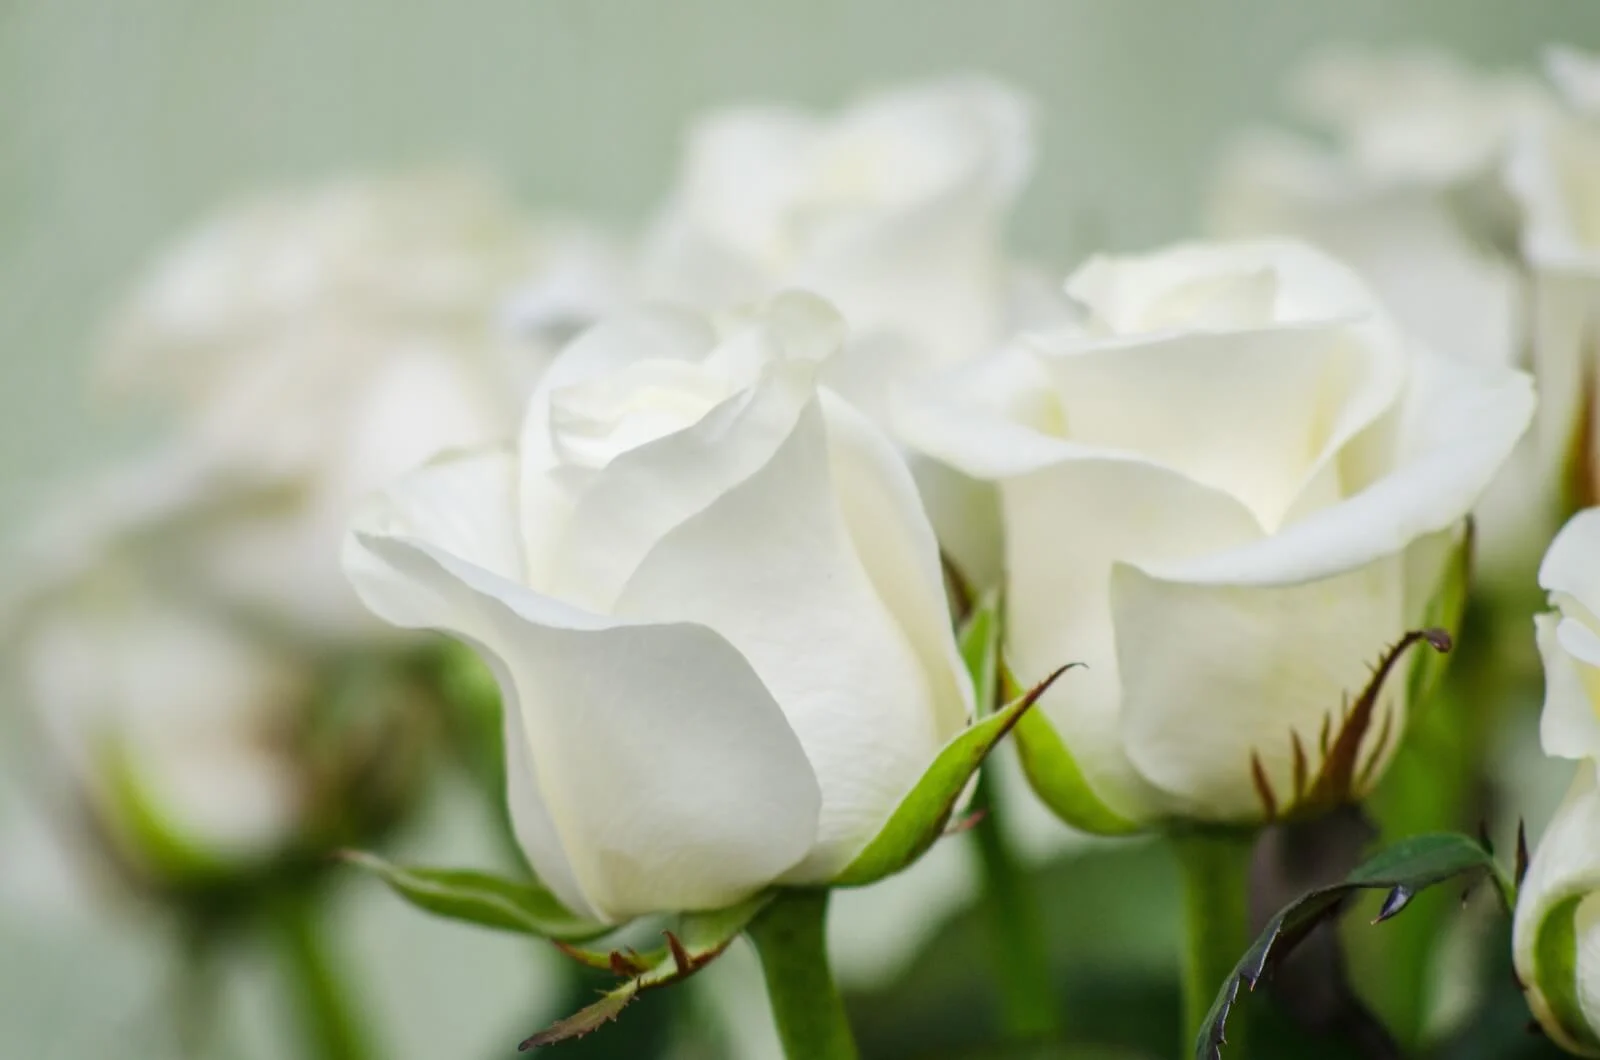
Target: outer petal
x,y
994,419
1571,567
1058,601
1570,724
895,543
1566,866
1138,293
1179,399
1215,673
660,774
965,513
1456,428
791,593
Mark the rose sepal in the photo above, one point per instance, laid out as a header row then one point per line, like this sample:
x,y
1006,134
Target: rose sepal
x,y
522,906
696,941
1055,776
923,814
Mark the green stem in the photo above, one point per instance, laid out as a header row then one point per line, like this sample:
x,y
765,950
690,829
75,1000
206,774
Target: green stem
x,y
1021,957
198,974
1214,865
329,1024
790,934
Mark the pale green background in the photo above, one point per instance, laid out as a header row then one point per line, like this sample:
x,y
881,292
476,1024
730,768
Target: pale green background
x,y
121,121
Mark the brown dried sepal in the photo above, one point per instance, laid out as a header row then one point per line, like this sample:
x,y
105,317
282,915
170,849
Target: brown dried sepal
x,y
1344,774
672,964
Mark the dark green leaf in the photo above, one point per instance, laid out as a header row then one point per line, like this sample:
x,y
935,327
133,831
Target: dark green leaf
x,y
481,898
1404,869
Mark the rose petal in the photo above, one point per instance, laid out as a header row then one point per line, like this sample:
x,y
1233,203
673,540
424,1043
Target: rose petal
x,y
1215,674
792,595
1458,425
1570,724
1058,599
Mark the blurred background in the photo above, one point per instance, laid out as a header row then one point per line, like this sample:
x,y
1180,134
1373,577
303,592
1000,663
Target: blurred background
x,y
123,124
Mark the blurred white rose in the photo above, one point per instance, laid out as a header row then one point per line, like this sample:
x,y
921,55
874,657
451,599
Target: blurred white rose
x,y
894,208
1554,172
1414,117
1409,195
712,602
319,343
163,726
1228,493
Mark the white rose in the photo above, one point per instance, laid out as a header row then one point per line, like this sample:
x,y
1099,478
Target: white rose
x,y
1414,116
317,344
894,209
1554,172
712,602
169,724
1228,493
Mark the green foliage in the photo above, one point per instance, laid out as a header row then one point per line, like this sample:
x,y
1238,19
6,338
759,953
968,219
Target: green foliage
x,y
1402,870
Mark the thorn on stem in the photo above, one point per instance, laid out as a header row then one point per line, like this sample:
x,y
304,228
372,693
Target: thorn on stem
x,y
680,956
1522,853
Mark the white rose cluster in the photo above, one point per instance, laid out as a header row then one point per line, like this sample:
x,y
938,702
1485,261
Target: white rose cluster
x,y
771,521
171,623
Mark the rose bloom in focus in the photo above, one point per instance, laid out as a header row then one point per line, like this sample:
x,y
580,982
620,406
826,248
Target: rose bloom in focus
x,y
711,599
1229,492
